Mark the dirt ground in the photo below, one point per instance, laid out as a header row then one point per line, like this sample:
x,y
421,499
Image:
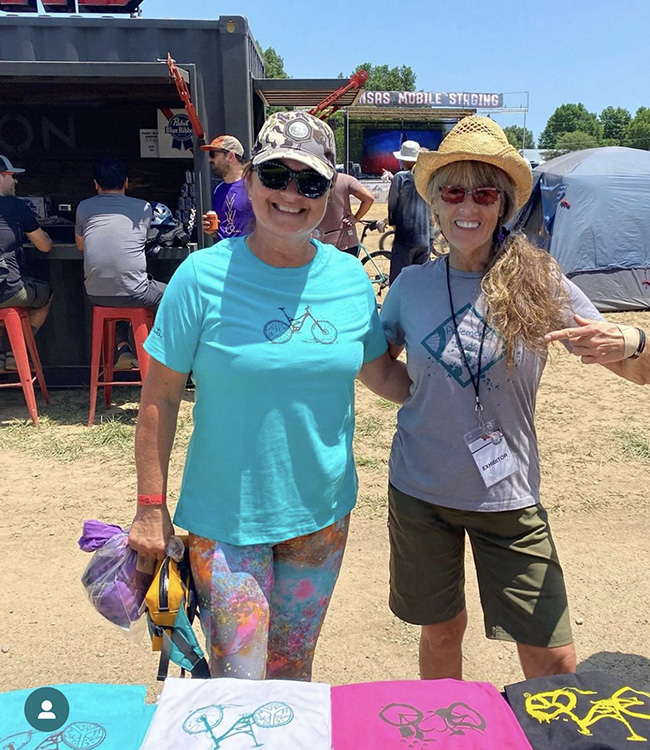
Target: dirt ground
x,y
594,432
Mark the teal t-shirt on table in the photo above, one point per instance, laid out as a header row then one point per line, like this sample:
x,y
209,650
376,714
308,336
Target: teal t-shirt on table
x,y
274,353
111,717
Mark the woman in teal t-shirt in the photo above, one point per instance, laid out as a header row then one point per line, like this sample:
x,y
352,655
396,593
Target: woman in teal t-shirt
x,y
274,328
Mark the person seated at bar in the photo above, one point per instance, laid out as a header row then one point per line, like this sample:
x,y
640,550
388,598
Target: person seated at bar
x,y
111,231
16,288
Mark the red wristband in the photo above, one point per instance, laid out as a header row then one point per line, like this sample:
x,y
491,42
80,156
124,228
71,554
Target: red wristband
x,y
152,499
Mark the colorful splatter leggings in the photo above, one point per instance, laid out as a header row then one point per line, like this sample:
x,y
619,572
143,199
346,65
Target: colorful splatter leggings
x,y
262,606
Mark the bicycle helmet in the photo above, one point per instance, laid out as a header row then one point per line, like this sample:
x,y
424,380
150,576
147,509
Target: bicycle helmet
x,y
161,215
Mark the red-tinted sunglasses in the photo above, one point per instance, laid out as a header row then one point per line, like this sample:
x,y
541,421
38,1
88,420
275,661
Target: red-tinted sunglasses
x,y
483,196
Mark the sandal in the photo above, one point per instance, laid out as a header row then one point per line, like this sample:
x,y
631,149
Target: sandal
x,y
126,361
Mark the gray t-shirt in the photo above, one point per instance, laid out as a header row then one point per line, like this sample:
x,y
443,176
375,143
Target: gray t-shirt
x,y
114,228
429,459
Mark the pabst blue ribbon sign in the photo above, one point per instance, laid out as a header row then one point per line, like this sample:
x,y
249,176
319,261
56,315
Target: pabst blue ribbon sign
x,y
174,134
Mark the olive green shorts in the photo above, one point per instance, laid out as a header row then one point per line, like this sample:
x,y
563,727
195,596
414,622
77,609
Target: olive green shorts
x,y
519,575
34,294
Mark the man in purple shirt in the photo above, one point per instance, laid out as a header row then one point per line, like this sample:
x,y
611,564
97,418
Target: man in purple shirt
x,y
230,197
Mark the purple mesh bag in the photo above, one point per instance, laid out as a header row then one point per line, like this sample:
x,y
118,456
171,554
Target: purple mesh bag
x,y
115,587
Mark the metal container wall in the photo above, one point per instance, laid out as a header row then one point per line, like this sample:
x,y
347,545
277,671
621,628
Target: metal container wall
x,y
84,87
223,51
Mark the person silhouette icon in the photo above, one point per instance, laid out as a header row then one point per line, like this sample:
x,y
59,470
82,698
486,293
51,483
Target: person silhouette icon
x,y
46,712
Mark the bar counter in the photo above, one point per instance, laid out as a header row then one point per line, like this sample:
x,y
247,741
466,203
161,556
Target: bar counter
x,y
64,340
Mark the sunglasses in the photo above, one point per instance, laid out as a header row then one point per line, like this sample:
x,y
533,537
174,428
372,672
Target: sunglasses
x,y
11,174
483,196
216,151
276,176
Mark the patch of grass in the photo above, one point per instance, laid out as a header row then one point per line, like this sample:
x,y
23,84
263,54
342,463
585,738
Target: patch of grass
x,y
633,445
367,425
62,433
369,462
112,438
372,504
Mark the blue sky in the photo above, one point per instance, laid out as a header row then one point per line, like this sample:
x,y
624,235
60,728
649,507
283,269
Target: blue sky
x,y
560,51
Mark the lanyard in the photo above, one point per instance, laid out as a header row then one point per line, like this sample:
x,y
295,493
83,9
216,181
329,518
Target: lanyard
x,y
476,382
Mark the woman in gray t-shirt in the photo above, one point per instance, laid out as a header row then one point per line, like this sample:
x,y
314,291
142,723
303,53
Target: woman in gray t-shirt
x,y
464,460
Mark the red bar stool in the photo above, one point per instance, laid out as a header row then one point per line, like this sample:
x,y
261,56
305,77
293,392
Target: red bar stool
x,y
103,346
21,341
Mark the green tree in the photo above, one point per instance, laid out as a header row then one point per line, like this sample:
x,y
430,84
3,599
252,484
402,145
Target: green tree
x,y
573,141
380,78
383,78
337,123
515,136
615,122
273,63
638,131
569,118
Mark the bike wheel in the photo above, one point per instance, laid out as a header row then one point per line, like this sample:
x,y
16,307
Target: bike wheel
x,y
278,331
324,332
377,266
386,240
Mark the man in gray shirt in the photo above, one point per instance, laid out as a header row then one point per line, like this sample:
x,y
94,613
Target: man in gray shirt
x,y
408,213
111,231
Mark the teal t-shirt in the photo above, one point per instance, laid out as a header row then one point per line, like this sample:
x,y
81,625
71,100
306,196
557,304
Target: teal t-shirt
x,y
274,353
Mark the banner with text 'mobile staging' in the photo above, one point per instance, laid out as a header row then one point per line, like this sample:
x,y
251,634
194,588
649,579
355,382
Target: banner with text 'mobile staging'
x,y
430,99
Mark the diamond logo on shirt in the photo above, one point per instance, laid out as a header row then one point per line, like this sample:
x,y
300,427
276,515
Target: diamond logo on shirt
x,y
442,344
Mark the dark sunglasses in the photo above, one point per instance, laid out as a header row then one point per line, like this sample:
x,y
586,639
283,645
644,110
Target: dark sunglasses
x,y
276,176
483,196
11,174
215,151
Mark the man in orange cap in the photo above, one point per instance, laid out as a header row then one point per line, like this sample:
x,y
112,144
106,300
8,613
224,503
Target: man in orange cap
x,y
230,198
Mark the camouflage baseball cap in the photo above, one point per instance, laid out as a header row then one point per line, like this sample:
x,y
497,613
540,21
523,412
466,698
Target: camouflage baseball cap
x,y
225,143
299,136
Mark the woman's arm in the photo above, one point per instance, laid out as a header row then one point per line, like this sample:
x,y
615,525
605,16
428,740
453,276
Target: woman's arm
x,y
366,199
603,343
387,377
154,436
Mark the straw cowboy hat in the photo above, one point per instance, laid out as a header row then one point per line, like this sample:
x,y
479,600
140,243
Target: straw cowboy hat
x,y
476,139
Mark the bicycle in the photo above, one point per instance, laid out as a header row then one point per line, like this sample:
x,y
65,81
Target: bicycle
x,y
386,242
377,262
280,331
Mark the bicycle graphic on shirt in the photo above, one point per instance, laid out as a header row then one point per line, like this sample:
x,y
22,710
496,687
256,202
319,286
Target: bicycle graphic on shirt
x,y
280,331
457,719
268,716
560,704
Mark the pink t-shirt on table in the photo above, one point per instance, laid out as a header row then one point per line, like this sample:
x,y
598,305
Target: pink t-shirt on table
x,y
414,715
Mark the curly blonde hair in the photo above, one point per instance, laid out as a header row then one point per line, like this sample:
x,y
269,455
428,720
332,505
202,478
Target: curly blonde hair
x,y
523,286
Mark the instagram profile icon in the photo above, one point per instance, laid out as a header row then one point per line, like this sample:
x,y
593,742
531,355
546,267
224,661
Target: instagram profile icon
x,y
47,709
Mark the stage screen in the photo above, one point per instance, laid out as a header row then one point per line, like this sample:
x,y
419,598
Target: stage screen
x,y
379,144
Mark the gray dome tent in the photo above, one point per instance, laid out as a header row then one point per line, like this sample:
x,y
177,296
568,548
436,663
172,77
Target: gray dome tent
x,y
591,210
